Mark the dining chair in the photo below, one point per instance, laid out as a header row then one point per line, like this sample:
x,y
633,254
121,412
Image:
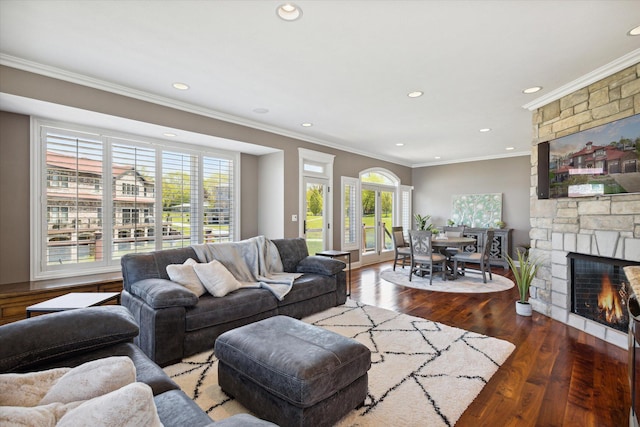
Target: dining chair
x,y
481,258
422,255
453,232
400,246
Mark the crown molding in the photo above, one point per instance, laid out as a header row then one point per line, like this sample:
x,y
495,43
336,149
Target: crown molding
x,y
473,159
71,77
607,70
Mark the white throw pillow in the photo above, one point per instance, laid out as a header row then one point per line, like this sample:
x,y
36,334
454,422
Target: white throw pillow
x,y
92,379
28,389
216,278
184,275
130,406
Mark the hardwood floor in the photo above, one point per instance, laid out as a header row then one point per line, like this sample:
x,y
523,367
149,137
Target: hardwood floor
x,y
556,376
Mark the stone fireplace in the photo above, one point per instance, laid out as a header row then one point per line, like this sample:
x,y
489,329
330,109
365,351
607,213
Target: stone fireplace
x,y
601,226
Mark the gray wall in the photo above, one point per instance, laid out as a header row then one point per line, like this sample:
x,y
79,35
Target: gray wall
x,y
14,198
434,186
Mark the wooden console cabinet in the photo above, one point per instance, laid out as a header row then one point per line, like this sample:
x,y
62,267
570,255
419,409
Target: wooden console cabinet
x,y
500,247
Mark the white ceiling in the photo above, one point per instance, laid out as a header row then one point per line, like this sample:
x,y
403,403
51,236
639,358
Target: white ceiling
x,y
345,66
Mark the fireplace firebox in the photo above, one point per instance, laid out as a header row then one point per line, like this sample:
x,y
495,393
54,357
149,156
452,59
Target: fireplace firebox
x,y
600,289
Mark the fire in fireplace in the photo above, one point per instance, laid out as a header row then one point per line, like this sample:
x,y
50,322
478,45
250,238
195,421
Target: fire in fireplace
x,y
599,290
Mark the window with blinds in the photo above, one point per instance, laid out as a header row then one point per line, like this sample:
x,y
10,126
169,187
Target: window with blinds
x,y
350,213
218,206
133,174
102,196
74,194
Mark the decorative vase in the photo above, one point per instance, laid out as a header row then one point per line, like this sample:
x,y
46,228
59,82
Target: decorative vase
x,y
523,308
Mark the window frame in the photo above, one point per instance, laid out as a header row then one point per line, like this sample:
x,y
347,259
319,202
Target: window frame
x,y
39,268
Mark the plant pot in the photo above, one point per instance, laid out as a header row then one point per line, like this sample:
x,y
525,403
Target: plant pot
x,y
523,308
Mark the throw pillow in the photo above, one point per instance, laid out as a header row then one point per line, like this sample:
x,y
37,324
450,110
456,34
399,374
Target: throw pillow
x,y
130,406
28,389
216,278
92,379
186,276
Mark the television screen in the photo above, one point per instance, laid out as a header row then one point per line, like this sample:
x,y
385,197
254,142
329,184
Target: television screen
x,y
597,161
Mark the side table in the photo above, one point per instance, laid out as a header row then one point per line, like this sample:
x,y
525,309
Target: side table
x,y
339,254
72,301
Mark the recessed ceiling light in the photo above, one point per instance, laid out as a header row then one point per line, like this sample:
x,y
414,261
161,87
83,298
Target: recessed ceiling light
x,y
399,144
169,134
260,110
437,157
485,130
181,86
634,31
306,125
510,148
289,12
415,94
533,89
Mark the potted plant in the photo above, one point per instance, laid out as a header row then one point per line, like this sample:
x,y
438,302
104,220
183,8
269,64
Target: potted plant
x,y
421,221
523,273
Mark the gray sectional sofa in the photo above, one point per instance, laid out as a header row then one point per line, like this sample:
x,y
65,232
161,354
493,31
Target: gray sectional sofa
x,y
71,338
175,323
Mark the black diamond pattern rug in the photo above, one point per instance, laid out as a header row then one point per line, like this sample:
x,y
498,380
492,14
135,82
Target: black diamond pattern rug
x,y
423,373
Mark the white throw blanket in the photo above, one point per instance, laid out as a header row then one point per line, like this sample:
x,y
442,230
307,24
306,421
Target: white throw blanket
x,y
255,262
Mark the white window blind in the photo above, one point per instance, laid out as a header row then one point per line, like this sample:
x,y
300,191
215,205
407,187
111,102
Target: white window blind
x,y
218,199
350,213
133,172
179,198
73,198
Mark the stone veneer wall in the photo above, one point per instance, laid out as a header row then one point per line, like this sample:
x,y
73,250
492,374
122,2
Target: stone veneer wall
x,y
602,225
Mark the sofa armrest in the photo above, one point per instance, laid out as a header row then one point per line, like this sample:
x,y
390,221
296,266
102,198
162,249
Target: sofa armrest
x,y
37,339
320,265
162,293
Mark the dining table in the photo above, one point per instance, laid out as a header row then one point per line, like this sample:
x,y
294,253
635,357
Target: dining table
x,y
452,242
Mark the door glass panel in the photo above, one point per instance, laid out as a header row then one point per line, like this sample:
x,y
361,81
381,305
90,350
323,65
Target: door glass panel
x,y
369,222
386,212
315,222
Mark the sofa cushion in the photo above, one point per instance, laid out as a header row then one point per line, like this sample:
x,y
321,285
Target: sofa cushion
x,y
320,265
32,341
292,251
163,293
307,287
239,304
185,275
216,279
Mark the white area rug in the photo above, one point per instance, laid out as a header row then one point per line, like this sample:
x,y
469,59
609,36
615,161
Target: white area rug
x,y
423,373
471,282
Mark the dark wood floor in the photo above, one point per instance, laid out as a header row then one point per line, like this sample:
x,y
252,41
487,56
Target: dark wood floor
x,y
556,376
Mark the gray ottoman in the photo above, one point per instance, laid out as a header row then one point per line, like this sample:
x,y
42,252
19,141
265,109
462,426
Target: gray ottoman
x,y
292,373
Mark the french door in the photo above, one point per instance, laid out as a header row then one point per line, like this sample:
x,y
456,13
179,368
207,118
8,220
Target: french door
x,y
316,226
377,220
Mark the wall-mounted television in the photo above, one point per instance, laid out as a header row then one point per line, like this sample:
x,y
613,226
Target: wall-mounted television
x,y
598,161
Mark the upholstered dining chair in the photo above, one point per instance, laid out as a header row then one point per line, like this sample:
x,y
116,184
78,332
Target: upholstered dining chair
x,y
422,255
401,247
481,257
